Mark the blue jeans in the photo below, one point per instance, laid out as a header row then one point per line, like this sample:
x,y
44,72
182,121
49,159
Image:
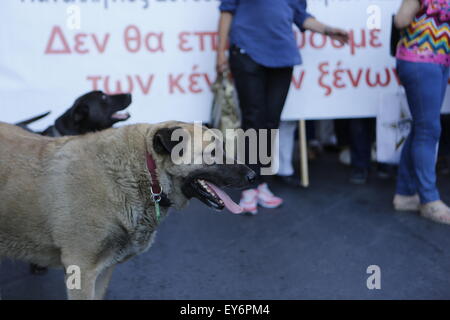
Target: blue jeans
x,y
425,85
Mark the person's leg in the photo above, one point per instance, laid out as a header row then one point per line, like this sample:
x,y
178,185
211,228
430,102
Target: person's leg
x,y
427,131
444,143
406,197
286,152
445,119
360,149
278,83
406,180
423,85
360,143
342,132
287,129
444,84
443,162
250,82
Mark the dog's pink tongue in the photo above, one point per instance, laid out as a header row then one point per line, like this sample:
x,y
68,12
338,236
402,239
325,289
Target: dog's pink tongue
x,y
229,204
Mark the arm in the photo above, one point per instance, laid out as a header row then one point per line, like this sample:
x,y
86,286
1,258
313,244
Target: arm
x,y
224,30
227,9
334,33
307,22
406,13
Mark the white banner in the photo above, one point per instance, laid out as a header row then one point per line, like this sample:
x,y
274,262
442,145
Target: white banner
x,y
163,51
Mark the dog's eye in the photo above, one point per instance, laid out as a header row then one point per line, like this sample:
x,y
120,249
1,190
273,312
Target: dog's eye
x,y
104,97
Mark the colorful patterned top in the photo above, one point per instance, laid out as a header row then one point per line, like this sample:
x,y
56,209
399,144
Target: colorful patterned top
x,y
427,38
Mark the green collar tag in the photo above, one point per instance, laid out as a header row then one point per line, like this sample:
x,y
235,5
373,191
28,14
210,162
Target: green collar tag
x,y
156,197
158,212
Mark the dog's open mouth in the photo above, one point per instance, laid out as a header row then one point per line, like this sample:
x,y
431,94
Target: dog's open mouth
x,y
215,197
121,116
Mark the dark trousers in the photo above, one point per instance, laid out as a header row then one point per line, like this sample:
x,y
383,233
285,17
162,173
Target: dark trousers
x,y
359,134
262,93
444,143
361,137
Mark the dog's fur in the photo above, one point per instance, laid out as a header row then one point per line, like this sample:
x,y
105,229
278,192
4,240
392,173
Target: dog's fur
x,y
86,201
93,111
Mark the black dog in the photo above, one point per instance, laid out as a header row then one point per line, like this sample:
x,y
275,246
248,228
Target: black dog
x,y
91,112
24,124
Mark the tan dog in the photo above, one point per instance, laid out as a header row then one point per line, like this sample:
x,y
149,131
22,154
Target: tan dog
x,y
85,201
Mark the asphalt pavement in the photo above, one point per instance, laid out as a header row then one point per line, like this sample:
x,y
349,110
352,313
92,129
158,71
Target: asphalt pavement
x,y
317,246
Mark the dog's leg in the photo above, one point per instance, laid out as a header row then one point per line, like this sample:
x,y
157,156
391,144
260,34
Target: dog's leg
x,y
80,278
86,289
102,283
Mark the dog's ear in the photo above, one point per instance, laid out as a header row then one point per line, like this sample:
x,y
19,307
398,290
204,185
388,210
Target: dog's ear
x,y
80,111
162,140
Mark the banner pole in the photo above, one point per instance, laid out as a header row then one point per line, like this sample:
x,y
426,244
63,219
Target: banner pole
x,y
304,174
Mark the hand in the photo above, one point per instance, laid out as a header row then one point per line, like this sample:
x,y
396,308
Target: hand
x,y
221,62
337,34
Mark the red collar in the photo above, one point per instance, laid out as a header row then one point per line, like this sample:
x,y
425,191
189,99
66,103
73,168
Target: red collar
x,y
151,166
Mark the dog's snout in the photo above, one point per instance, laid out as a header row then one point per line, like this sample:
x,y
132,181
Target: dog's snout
x,y
251,176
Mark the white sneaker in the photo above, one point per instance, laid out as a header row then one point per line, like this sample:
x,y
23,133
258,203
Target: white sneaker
x,y
266,198
249,201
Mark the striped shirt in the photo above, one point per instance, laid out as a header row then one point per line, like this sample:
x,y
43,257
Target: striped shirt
x,y
427,38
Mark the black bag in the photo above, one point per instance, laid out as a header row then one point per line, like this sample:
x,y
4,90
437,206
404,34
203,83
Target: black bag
x,y
395,37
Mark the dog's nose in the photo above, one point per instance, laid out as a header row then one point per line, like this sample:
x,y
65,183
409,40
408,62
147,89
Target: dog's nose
x,y
251,176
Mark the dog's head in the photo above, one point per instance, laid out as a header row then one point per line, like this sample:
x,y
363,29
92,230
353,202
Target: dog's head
x,y
195,164
94,111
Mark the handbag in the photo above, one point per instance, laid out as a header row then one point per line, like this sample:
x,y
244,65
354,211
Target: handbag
x,y
393,126
225,113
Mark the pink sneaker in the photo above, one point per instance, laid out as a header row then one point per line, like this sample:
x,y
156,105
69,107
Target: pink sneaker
x,y
249,201
266,198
